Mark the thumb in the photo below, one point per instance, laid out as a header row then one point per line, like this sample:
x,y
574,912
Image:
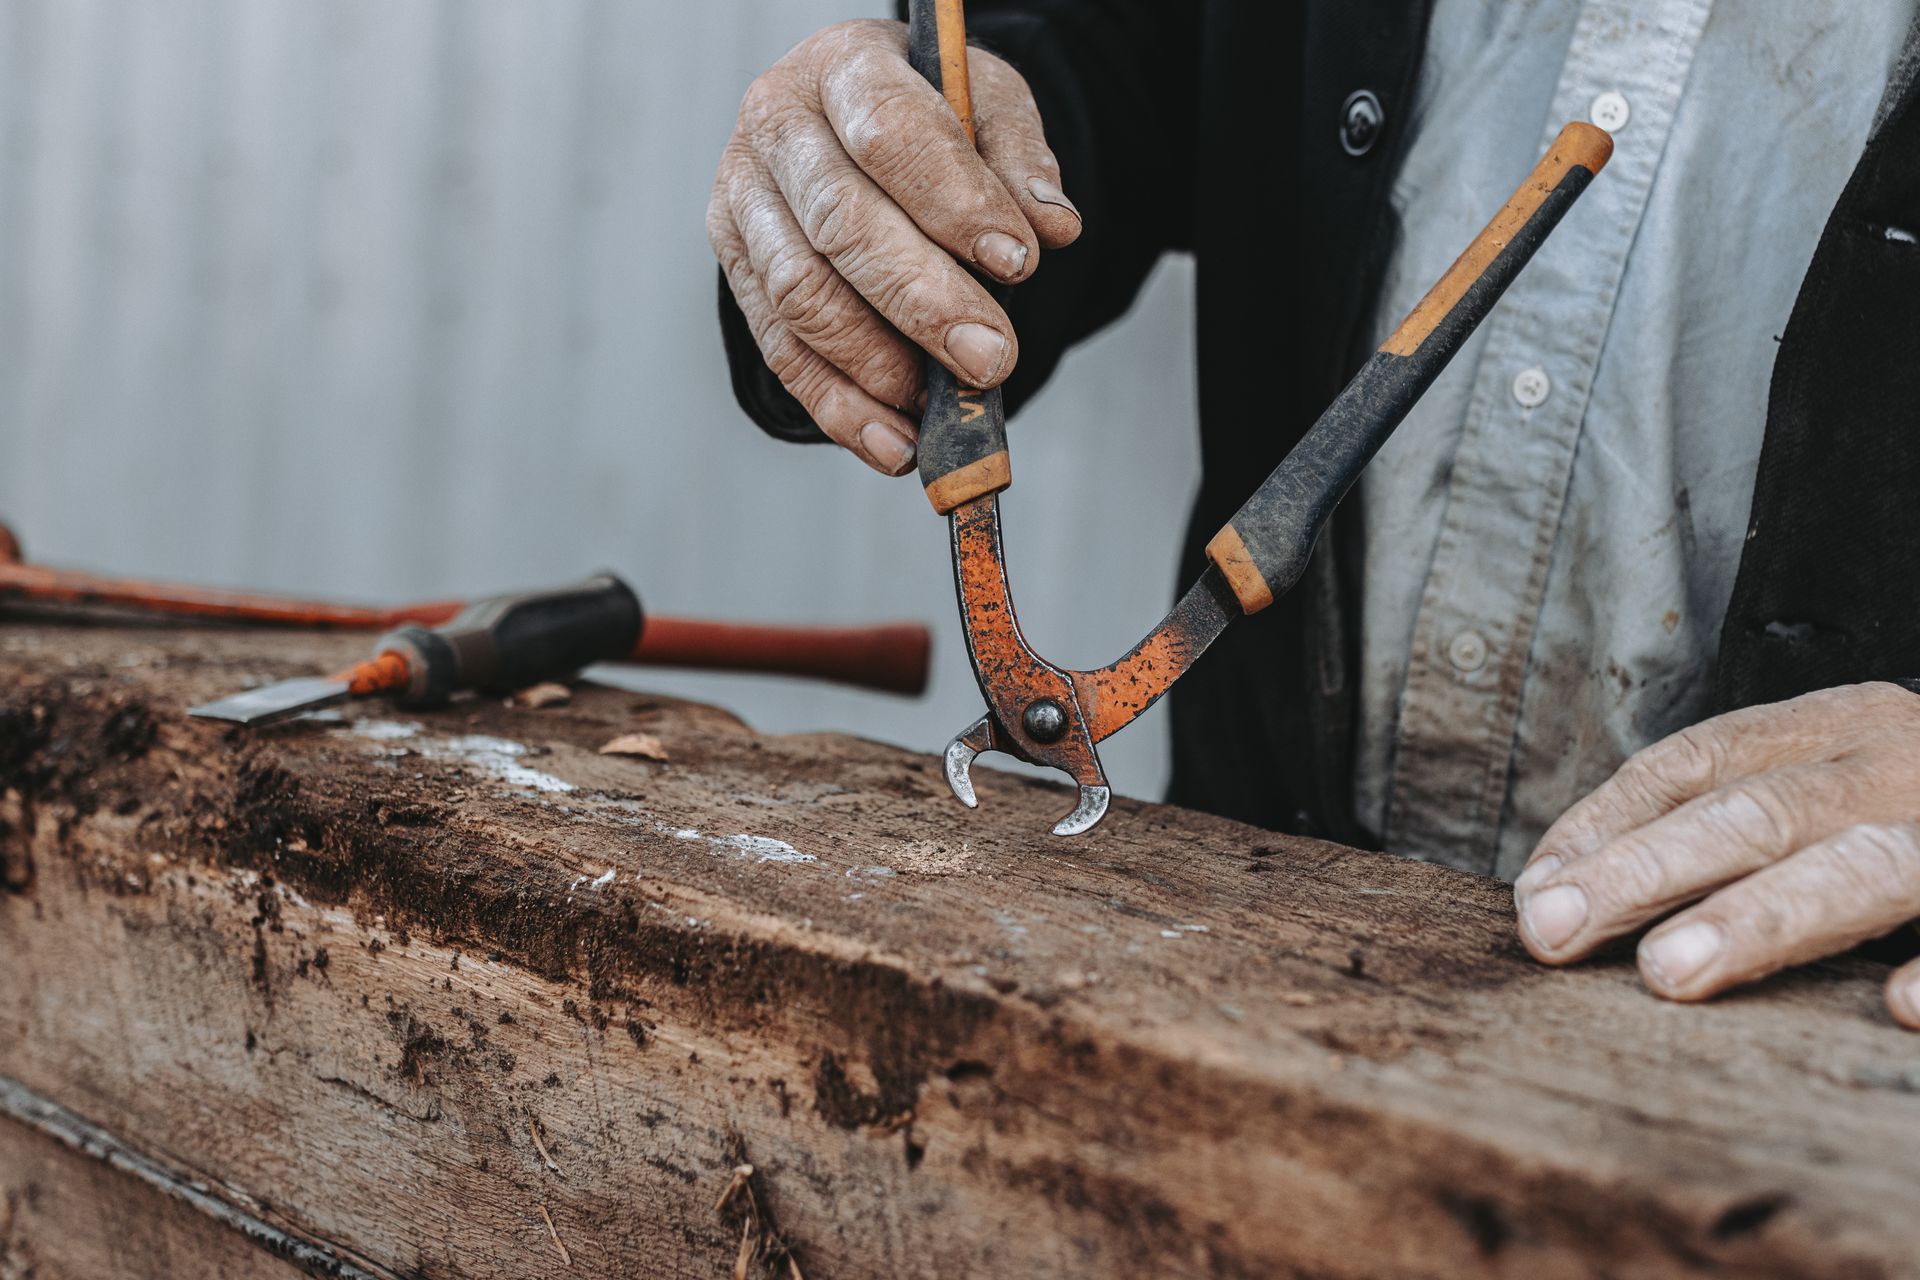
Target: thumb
x,y
1903,994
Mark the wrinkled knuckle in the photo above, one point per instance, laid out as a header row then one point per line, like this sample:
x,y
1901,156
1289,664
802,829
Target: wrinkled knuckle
x,y
752,300
1766,923
979,206
1898,841
858,40
787,362
1690,758
1639,783
884,369
912,297
1762,814
810,386
1696,755
824,43
825,46
829,405
890,134
798,369
767,101
800,286
867,359
836,215
1878,859
753,305
722,233
1629,875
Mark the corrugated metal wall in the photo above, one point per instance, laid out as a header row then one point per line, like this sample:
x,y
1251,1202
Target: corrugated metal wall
x,y
383,298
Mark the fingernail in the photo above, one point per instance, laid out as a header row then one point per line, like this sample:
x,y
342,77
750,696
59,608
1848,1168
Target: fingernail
x,y
1675,958
886,447
1001,254
976,349
1554,915
1910,996
1539,870
1047,193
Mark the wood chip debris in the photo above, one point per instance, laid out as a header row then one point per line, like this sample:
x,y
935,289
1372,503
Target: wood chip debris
x,y
547,693
533,1131
566,1259
741,1175
636,744
759,1238
745,1256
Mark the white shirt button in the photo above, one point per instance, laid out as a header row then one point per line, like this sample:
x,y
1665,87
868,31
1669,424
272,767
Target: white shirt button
x,y
1468,652
1609,110
1531,387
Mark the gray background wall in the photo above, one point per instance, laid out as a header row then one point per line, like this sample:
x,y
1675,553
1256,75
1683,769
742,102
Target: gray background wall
x,y
399,298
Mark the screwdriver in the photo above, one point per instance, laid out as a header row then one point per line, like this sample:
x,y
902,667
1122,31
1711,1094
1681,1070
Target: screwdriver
x,y
499,644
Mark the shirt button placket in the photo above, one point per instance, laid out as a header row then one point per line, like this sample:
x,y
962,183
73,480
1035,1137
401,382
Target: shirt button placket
x,y
1610,111
1467,652
1531,387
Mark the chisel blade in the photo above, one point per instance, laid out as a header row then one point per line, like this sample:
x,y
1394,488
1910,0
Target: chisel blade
x,y
272,702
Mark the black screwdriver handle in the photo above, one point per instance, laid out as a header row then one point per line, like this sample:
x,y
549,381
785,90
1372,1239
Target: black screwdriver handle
x,y
963,433
1264,549
509,642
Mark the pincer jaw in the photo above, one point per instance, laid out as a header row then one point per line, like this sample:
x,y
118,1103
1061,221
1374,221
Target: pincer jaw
x,y
1087,814
980,737
960,757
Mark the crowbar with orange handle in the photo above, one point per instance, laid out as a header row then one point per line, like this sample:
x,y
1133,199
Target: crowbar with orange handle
x,y
1052,716
889,657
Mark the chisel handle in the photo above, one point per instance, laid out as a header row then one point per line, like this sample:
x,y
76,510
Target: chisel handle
x,y
963,433
891,657
511,641
1264,549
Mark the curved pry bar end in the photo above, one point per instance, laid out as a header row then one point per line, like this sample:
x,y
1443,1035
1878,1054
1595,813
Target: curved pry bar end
x,y
960,757
1086,815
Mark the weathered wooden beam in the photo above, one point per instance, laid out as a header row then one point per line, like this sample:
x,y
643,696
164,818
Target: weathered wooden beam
x,y
76,1201
455,995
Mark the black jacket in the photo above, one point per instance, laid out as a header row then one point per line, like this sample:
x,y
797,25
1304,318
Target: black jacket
x,y
1254,146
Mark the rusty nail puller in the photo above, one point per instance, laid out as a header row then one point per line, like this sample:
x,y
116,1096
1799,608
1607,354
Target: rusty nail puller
x,y
1049,715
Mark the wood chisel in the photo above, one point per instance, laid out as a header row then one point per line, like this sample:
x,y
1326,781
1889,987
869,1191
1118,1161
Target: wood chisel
x,y
501,644
890,657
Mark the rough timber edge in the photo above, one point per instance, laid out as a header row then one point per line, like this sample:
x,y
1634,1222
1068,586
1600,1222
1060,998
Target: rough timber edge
x,y
43,1116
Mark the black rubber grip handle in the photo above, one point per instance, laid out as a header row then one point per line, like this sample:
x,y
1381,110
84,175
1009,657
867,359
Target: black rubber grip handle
x,y
963,433
1264,549
509,642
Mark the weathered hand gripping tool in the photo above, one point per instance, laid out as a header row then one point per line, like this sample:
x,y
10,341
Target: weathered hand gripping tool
x,y
1051,716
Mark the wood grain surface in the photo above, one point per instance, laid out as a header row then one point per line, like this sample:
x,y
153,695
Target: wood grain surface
x,y
457,995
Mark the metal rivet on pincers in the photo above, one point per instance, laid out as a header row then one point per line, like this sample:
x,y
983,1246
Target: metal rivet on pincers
x,y
1044,720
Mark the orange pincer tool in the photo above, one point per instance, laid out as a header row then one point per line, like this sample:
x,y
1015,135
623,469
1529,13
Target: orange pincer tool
x,y
1053,716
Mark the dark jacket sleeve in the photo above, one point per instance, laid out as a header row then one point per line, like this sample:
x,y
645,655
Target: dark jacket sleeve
x,y
1115,81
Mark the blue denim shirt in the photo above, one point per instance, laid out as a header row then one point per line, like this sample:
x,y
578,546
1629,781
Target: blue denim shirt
x,y
1552,535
